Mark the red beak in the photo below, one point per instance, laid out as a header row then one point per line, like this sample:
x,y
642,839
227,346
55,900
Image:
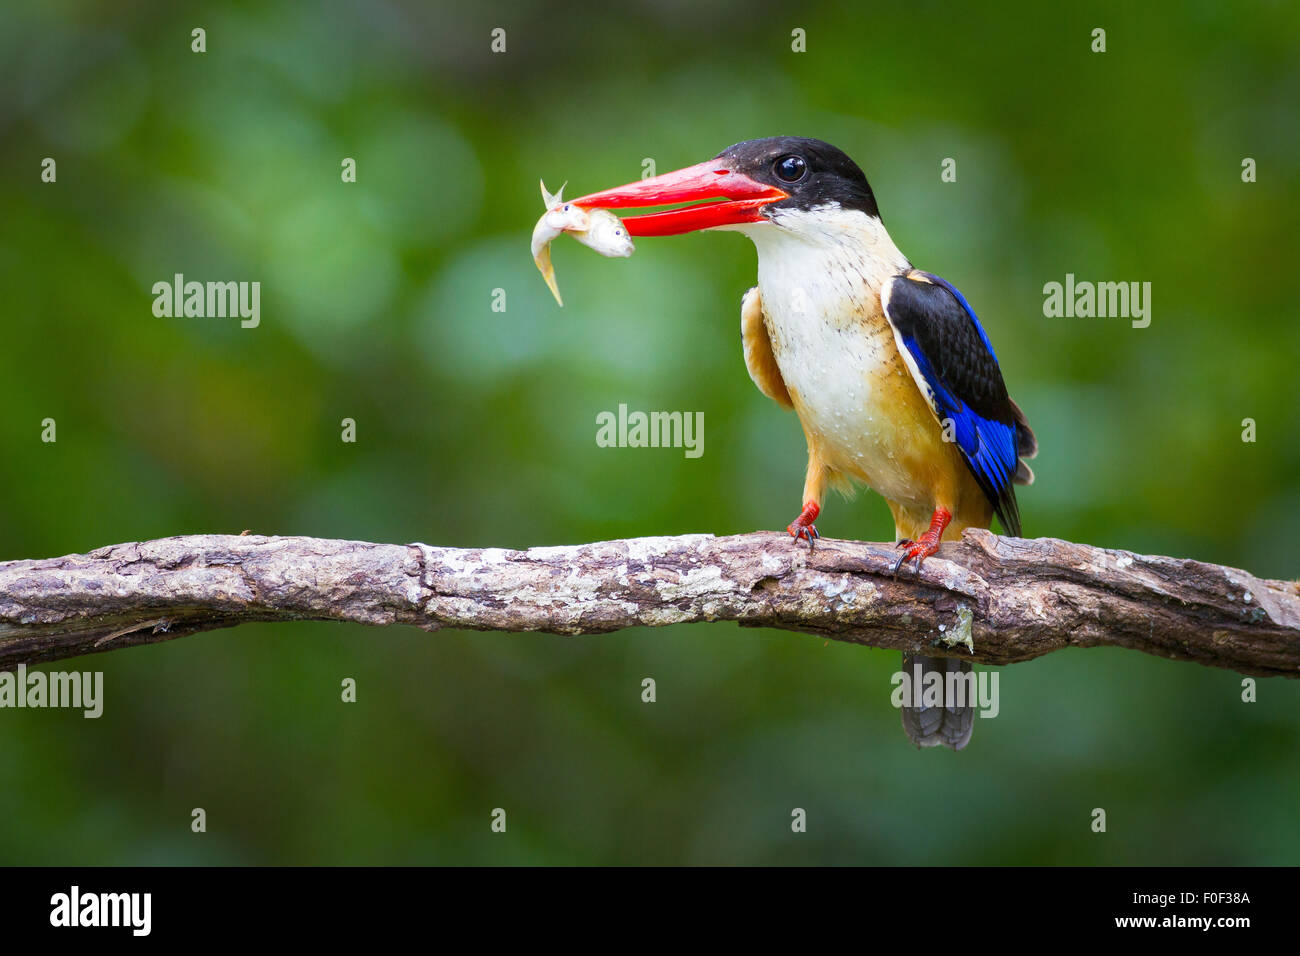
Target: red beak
x,y
722,197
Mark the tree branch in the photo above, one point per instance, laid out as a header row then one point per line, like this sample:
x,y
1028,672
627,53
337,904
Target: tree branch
x,y
1008,598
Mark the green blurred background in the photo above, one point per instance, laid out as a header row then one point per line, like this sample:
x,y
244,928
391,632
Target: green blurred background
x,y
477,428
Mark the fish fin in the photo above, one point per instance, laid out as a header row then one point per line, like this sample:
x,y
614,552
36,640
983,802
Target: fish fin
x,y
548,274
543,261
552,201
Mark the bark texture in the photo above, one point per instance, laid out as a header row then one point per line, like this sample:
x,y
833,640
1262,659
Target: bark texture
x,y
992,599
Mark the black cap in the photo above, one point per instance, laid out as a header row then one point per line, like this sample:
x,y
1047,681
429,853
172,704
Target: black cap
x,y
814,173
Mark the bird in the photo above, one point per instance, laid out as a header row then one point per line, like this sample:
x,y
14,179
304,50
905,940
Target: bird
x,y
889,371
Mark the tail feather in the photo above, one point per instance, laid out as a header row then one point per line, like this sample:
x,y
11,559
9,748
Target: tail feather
x,y
945,725
1026,447
1026,441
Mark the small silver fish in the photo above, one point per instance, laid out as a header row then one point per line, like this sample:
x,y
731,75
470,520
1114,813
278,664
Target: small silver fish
x,y
606,234
558,218
597,229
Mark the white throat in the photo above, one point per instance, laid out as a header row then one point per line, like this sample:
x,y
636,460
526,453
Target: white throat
x,y
823,262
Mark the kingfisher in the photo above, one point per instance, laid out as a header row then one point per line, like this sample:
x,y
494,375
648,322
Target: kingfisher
x,y
889,371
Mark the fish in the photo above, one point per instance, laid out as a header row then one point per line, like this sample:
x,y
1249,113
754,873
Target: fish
x,y
559,217
606,234
597,229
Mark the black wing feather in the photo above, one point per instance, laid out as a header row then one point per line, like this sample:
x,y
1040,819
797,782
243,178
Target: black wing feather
x,y
957,362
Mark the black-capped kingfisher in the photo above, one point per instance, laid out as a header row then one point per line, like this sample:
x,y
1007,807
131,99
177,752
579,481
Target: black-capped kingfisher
x,y
891,374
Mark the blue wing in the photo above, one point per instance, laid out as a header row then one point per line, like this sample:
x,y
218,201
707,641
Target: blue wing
x,y
954,365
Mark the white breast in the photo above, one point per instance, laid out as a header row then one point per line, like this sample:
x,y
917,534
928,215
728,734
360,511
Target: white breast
x,y
820,275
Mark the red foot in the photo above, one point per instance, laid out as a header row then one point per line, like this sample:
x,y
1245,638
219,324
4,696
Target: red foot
x,y
803,527
929,543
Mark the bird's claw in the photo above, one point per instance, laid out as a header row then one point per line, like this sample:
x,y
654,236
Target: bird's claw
x,y
914,550
803,527
808,531
927,544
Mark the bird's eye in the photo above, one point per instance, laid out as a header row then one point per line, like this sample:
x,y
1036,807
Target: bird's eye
x,y
790,169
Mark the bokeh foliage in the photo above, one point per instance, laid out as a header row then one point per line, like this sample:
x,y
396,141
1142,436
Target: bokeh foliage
x,y
477,428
